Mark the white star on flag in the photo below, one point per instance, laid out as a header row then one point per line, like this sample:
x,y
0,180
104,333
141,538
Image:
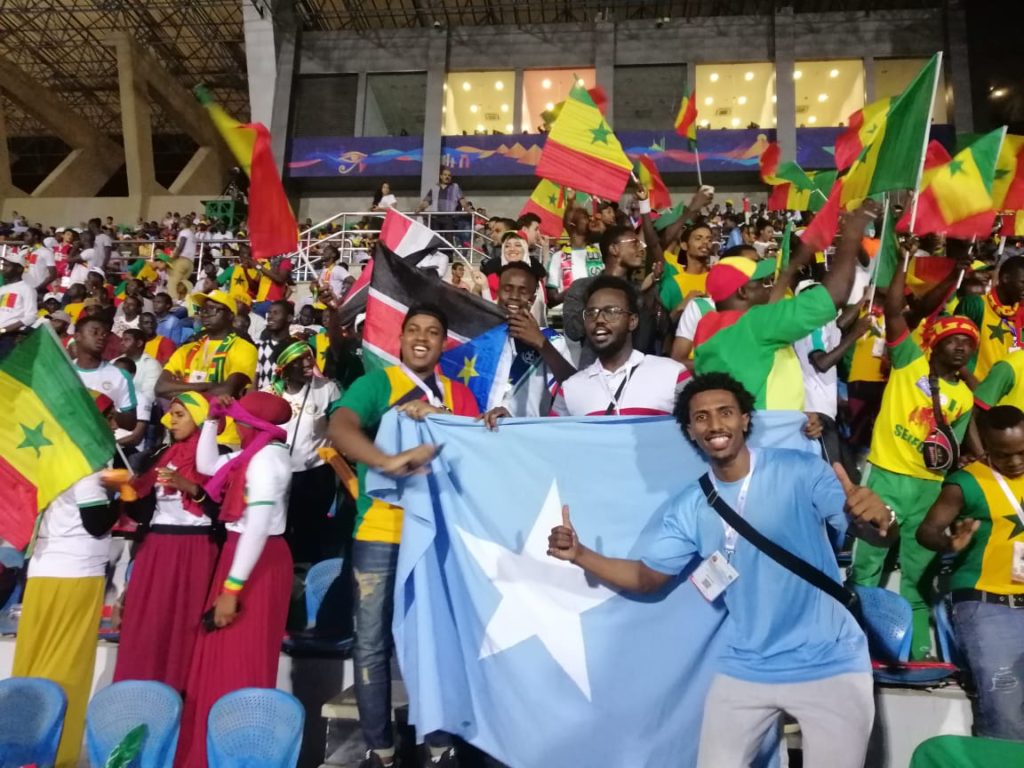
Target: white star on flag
x,y
540,595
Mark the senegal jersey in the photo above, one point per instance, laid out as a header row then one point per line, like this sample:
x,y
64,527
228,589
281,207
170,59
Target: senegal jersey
x,y
906,416
986,562
370,397
999,326
1002,385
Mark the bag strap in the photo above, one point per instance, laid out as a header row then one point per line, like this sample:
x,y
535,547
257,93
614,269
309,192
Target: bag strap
x,y
940,419
780,555
618,392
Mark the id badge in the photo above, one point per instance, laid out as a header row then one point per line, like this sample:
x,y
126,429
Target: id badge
x,y
713,576
1017,565
878,347
197,377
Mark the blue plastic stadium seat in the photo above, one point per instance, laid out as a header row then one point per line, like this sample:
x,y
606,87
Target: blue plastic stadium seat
x,y
310,641
121,707
944,634
888,623
255,726
31,721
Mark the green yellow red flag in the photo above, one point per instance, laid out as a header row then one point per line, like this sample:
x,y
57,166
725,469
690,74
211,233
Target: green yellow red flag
x,y
548,202
686,119
862,127
1008,184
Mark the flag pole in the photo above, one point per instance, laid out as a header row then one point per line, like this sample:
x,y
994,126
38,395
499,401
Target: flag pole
x,y
696,153
924,148
874,264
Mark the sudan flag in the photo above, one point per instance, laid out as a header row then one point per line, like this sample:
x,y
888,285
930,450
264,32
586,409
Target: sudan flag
x,y
53,435
395,287
582,152
403,236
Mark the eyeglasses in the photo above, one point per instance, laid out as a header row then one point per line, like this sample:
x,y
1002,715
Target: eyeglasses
x,y
611,314
632,240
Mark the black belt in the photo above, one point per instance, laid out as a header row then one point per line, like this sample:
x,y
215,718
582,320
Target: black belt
x,y
962,595
182,530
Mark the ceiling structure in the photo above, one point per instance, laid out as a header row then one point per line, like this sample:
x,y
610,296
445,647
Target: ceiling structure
x,y
61,43
385,14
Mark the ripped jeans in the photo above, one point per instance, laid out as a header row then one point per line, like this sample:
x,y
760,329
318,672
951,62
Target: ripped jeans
x,y
990,637
373,568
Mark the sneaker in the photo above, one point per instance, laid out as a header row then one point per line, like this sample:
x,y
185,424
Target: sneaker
x,y
373,760
446,759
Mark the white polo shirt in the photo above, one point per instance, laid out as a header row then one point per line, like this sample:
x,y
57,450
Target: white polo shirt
x,y
113,382
64,549
650,389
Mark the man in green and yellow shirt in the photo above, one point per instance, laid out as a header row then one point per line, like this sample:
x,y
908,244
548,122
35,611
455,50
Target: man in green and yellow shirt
x,y
978,517
999,315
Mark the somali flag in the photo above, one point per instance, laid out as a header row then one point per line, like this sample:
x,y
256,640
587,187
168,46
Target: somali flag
x,y
518,653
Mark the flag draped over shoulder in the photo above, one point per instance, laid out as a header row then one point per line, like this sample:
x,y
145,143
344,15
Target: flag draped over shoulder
x,y
892,158
53,435
955,198
686,119
397,285
582,152
518,653
547,202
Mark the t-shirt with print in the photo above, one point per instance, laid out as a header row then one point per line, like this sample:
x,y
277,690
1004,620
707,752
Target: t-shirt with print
x,y
755,347
39,260
571,264
113,382
1002,386
371,396
307,429
821,394
868,360
18,303
780,629
64,549
986,563
906,418
242,282
999,329
269,290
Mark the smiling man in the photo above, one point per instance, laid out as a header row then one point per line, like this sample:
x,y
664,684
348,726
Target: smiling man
x,y
622,381
416,389
788,645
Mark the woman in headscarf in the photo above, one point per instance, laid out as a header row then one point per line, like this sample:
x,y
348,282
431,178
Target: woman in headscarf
x,y
251,586
174,562
514,247
311,397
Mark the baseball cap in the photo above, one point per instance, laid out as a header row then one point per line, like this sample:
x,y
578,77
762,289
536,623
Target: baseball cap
x,y
726,277
14,257
217,297
62,316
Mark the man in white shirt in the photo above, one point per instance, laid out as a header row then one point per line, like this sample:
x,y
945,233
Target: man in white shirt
x,y
42,267
91,333
533,359
147,367
18,300
101,242
622,381
184,255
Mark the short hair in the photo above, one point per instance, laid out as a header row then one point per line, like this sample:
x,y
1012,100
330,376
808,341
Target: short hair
x,y
134,333
700,223
613,283
426,308
84,320
164,294
1012,264
1001,417
740,250
527,219
761,224
707,382
285,304
609,238
150,314
517,266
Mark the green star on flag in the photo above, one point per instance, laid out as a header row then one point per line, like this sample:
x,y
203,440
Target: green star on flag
x,y
997,332
34,438
553,199
955,167
1018,526
1001,172
600,133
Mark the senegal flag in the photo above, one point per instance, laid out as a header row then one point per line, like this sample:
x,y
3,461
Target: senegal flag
x,y
548,202
582,152
863,125
686,119
774,171
1008,185
53,434
892,159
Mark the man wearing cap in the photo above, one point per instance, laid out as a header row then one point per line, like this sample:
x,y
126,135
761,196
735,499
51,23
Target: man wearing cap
x,y
218,362
751,340
924,414
18,300
42,268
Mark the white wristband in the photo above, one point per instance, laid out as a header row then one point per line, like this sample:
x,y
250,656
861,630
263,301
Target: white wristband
x,y
644,206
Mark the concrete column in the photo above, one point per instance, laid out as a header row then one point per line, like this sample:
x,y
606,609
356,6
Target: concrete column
x,y
869,79
957,69
517,102
136,124
604,61
434,118
360,117
286,39
260,60
7,188
785,88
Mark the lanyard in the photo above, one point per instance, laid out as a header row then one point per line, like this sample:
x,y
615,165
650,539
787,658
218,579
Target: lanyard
x,y
613,405
731,537
1014,504
432,398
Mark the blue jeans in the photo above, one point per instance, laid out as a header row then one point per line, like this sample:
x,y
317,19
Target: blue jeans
x,y
990,637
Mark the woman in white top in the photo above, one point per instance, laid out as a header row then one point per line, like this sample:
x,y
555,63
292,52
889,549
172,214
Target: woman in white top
x,y
311,534
251,587
174,562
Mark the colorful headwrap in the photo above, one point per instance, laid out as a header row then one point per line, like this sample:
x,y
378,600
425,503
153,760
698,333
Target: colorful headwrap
x,y
181,456
196,404
944,327
294,351
733,272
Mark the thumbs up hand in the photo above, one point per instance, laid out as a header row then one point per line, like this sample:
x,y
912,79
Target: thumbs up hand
x,y
563,543
863,505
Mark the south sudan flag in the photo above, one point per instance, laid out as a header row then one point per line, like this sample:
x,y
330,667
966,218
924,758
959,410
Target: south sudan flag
x,y
53,434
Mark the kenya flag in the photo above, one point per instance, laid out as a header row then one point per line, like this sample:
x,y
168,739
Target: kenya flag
x,y
403,236
396,286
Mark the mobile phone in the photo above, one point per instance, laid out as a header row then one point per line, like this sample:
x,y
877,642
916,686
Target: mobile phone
x,y
208,623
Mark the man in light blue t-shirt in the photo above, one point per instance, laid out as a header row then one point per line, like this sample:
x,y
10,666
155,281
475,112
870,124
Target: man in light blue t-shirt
x,y
789,646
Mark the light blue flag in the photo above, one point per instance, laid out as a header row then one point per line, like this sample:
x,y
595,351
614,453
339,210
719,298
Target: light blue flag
x,y
476,362
518,653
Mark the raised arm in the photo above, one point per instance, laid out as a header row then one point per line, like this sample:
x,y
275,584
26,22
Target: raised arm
x,y
839,280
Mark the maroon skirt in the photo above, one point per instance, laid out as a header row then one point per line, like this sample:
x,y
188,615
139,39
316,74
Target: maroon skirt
x,y
244,654
163,605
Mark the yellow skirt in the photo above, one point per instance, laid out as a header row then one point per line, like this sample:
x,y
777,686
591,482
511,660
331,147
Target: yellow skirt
x,y
57,637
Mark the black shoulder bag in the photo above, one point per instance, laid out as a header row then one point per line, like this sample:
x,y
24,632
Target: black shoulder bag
x,y
781,555
940,450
